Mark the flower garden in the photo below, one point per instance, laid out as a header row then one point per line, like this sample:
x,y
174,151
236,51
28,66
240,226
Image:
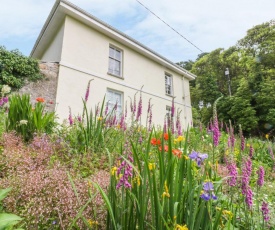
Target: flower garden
x,y
101,171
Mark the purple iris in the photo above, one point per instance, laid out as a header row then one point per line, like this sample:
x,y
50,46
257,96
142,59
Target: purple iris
x,y
208,193
198,157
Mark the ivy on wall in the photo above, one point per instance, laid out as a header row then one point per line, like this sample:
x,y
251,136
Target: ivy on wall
x,y
15,68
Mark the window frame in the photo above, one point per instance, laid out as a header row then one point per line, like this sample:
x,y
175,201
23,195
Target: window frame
x,y
119,112
111,71
171,94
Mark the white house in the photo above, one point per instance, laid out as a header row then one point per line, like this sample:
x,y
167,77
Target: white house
x,y
87,48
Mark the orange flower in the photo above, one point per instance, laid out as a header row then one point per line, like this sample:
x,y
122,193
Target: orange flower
x,y
177,152
40,99
165,148
166,136
155,141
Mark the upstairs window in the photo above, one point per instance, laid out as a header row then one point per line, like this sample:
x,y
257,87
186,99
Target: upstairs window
x,y
115,61
168,84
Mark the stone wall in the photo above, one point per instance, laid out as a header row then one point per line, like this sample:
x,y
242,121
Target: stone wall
x,y
46,87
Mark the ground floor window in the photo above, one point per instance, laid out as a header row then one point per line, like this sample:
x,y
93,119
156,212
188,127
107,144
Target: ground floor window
x,y
114,97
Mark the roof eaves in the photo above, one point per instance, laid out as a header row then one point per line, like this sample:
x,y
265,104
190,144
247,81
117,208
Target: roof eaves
x,y
55,6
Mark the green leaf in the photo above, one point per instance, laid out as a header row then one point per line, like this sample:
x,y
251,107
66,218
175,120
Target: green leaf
x,y
7,220
4,193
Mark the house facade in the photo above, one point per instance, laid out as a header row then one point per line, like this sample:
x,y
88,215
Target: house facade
x,y
87,48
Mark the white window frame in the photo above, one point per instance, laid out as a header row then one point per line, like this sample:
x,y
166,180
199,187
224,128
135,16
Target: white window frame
x,y
168,84
115,61
111,103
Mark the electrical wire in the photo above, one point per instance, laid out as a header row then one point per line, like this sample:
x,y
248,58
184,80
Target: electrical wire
x,y
169,26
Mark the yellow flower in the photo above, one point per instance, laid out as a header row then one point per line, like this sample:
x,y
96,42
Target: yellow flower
x,y
151,166
136,180
92,223
166,191
181,227
227,213
99,118
185,157
266,136
113,172
118,126
180,138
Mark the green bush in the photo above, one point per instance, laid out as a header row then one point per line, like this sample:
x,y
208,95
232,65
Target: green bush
x,y
15,68
26,120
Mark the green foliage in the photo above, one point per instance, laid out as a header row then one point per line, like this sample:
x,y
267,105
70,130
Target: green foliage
x,y
26,120
15,68
252,75
7,220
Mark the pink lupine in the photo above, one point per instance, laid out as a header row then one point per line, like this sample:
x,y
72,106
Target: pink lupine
x,y
260,173
265,211
233,173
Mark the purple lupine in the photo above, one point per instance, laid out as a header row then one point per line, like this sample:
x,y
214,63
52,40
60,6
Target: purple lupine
x,y
265,211
260,173
246,190
88,91
179,129
139,110
125,110
215,129
198,157
97,110
122,123
5,100
173,108
150,118
71,121
208,191
79,118
249,197
242,143
233,173
272,155
251,151
216,132
106,108
1,102
125,169
134,104
164,126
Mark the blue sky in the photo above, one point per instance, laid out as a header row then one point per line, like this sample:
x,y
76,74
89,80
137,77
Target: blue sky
x,y
209,24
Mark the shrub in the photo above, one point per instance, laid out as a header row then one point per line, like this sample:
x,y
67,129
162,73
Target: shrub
x,y
15,68
43,195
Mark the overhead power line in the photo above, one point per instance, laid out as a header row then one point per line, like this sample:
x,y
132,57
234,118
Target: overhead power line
x,y
169,26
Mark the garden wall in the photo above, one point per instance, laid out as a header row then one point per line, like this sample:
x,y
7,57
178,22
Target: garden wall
x,y
45,87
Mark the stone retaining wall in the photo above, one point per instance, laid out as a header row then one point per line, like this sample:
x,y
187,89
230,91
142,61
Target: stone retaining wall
x,y
46,87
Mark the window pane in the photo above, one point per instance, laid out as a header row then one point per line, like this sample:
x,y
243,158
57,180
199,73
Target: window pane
x,y
118,55
111,65
112,52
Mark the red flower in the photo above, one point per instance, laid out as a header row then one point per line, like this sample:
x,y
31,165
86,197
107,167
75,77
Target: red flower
x,y
177,152
155,141
165,148
40,99
166,136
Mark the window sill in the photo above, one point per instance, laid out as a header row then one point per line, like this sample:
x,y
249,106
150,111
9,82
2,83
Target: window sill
x,y
114,75
169,95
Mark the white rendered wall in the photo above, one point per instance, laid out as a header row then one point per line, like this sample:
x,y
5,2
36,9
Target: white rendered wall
x,y
85,56
53,52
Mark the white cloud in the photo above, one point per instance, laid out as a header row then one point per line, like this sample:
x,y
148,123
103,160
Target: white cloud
x,y
209,24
